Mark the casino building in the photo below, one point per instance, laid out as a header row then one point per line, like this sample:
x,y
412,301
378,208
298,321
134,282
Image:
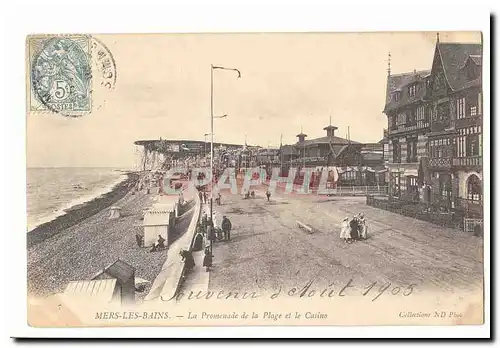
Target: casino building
x,y
357,164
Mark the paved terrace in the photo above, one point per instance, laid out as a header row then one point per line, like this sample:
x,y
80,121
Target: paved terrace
x,y
267,250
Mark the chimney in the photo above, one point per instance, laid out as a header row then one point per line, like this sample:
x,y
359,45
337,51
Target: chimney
x,y
330,130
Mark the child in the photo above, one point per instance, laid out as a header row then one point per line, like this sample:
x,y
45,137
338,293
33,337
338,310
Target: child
x,y
207,260
345,231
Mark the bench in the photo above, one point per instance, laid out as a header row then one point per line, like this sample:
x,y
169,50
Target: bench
x,y
304,226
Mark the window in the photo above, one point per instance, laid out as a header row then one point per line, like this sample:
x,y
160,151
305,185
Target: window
x,y
471,104
461,146
428,115
443,111
474,190
411,152
412,184
412,90
460,108
396,151
441,148
391,122
396,96
412,117
421,113
401,119
349,176
472,145
445,185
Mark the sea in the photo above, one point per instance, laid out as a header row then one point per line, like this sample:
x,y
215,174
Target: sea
x,y
52,191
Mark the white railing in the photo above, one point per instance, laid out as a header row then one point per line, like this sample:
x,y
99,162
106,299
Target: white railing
x,y
470,225
360,190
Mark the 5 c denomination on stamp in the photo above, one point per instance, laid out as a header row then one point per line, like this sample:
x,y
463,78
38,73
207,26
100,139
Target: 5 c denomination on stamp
x,y
61,75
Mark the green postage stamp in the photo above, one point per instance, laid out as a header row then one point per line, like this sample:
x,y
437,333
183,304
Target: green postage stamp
x,y
60,74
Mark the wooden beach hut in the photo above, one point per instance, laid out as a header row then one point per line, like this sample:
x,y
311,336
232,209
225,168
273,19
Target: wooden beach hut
x,y
157,221
124,274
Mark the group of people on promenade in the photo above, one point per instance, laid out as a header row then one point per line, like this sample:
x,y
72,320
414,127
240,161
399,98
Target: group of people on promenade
x,y
203,195
354,229
209,230
213,229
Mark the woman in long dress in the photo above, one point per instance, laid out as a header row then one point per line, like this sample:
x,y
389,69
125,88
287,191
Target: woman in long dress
x,y
363,226
354,228
345,231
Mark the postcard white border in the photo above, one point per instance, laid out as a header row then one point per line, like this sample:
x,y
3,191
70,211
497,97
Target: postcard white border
x,y
233,16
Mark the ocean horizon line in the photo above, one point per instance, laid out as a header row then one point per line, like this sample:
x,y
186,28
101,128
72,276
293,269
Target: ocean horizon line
x,y
77,167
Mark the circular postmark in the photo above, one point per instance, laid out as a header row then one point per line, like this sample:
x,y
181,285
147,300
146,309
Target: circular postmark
x,y
61,76
104,64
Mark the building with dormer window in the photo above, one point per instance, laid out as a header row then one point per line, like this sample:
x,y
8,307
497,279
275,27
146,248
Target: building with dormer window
x,y
406,136
433,143
455,140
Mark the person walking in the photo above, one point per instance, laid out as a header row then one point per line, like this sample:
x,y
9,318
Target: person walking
x,y
211,236
268,195
207,259
204,222
226,227
205,197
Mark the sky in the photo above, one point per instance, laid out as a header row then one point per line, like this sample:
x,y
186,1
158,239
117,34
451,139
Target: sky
x,y
288,81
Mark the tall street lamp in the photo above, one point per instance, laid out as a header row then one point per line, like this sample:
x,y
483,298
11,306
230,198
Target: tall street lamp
x,y
205,144
212,68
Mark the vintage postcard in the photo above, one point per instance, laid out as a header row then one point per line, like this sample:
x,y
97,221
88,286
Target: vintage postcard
x,y
255,179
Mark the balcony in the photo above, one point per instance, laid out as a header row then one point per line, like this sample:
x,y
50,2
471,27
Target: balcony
x,y
469,121
440,163
457,162
471,161
408,128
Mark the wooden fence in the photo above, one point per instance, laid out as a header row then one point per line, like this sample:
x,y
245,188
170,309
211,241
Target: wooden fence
x,y
451,219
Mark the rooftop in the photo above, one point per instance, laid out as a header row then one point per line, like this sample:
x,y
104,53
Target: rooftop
x,y
401,82
327,140
101,290
454,56
119,269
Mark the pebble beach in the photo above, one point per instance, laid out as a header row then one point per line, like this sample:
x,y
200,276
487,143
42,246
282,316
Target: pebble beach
x,y
80,250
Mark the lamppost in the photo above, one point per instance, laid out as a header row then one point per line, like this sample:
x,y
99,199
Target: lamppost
x,y
212,68
205,145
281,154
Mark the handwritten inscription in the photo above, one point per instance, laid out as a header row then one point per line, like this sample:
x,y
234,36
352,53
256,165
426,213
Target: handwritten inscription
x,y
373,291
